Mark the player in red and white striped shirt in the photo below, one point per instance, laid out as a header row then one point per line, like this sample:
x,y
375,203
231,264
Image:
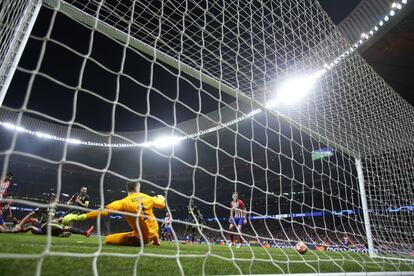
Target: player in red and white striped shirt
x,y
237,216
167,227
5,184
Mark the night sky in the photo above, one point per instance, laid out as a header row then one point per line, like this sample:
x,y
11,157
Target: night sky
x,y
337,9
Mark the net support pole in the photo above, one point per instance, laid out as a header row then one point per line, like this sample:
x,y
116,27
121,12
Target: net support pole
x,y
15,49
358,164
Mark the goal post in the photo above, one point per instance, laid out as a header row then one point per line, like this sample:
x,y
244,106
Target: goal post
x,y
365,210
17,23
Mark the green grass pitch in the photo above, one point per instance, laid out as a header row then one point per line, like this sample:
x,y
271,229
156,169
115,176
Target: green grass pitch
x,y
169,258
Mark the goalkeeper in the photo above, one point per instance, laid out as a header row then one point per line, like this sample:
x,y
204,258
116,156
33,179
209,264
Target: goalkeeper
x,y
142,220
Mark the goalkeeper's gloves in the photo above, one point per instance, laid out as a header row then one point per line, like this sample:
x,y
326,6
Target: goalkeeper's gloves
x,y
160,197
73,217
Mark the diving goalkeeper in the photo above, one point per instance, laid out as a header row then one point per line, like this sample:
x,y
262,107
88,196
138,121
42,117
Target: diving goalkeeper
x,y
142,220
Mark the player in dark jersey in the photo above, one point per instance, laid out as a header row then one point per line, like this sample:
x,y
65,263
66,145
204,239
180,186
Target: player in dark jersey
x,y
346,242
193,216
80,199
39,221
237,217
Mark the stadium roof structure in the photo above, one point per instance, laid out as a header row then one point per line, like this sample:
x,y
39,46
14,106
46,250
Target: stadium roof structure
x,y
365,15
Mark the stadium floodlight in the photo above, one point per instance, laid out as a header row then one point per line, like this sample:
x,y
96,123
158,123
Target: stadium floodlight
x,y
295,89
8,125
12,126
74,141
292,91
145,145
272,103
44,135
167,141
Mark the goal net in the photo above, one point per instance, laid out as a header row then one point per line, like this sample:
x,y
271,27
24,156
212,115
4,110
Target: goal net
x,y
197,100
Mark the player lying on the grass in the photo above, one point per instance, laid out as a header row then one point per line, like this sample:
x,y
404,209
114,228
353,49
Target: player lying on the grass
x,y
39,221
49,211
194,215
237,217
142,220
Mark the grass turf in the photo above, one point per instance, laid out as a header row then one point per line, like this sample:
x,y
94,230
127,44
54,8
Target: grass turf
x,y
170,259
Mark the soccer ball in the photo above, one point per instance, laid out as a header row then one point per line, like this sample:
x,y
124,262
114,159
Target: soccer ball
x,y
301,247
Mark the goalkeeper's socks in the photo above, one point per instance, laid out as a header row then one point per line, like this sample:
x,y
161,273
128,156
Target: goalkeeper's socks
x,y
89,231
75,230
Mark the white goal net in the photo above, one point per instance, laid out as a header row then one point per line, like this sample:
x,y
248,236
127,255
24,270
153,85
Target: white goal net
x,y
197,100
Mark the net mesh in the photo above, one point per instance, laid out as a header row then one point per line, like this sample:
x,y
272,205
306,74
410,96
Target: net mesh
x,y
118,75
